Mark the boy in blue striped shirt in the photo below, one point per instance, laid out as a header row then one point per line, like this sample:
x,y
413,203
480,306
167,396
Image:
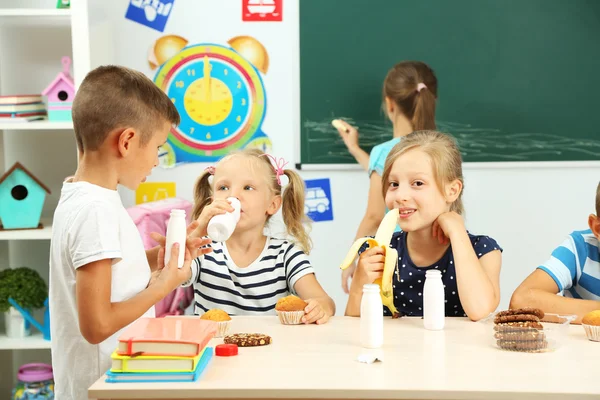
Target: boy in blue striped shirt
x,y
573,269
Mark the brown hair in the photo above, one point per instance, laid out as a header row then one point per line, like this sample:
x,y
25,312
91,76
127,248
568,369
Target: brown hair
x,y
598,200
112,97
417,103
292,199
444,154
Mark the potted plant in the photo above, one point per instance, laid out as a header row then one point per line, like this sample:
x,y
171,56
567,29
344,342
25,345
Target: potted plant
x,y
27,288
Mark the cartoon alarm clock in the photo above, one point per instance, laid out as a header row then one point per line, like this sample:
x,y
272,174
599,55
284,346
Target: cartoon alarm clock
x,y
220,96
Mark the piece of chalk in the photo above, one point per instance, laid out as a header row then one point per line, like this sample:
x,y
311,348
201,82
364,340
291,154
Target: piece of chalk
x,y
337,124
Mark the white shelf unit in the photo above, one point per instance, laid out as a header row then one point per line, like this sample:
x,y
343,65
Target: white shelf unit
x,y
34,36
45,233
35,126
35,341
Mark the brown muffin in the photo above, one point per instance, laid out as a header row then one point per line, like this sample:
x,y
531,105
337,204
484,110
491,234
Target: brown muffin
x,y
290,303
216,315
592,318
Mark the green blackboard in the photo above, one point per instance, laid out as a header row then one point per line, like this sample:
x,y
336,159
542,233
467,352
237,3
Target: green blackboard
x,y
519,80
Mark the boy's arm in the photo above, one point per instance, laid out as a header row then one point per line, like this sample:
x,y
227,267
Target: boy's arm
x,y
557,274
99,317
540,290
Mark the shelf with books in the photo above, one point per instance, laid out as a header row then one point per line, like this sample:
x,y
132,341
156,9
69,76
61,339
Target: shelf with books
x,y
44,233
35,341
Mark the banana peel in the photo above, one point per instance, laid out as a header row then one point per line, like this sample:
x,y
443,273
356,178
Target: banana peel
x,y
382,238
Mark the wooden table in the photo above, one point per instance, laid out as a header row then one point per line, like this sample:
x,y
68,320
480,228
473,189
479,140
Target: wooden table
x,y
320,362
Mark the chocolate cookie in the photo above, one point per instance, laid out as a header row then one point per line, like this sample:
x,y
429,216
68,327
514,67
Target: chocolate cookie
x,y
514,326
515,318
522,346
519,311
247,339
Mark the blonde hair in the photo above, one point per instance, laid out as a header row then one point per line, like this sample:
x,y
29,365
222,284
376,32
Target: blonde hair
x,y
403,85
112,97
292,198
444,154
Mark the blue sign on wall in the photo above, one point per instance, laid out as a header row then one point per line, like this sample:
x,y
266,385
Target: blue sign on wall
x,y
318,204
151,13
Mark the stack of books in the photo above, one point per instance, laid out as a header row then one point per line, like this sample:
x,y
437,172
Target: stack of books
x,y
163,350
22,108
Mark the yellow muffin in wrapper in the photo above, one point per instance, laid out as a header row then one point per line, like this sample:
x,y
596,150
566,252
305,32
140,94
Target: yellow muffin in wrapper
x,y
222,319
591,325
290,310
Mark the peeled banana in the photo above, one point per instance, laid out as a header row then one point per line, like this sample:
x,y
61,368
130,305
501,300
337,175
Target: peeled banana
x,y
382,238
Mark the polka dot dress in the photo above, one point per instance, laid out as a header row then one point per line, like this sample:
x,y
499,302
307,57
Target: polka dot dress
x,y
409,279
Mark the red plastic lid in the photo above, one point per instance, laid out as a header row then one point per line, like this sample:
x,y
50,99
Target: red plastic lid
x,y
226,350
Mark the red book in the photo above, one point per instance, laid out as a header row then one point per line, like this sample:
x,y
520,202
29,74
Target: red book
x,y
166,337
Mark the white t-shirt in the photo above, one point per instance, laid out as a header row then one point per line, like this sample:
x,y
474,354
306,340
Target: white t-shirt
x,y
253,290
90,224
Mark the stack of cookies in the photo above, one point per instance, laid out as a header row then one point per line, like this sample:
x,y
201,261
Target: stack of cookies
x,y
520,330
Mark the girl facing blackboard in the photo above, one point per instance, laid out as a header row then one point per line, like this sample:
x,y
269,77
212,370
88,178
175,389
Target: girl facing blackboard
x,y
409,100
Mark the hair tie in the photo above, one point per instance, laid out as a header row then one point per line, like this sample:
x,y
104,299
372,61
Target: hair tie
x,y
278,165
210,169
421,86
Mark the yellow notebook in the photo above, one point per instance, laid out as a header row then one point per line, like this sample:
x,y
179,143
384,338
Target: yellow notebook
x,y
153,363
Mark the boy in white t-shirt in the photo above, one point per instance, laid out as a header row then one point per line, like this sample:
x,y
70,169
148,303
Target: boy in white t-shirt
x,y
101,278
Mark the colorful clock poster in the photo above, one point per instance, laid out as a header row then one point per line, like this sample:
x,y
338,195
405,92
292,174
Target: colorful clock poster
x,y
220,96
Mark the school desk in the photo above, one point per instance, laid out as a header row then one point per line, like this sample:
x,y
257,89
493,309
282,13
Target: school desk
x,y
320,362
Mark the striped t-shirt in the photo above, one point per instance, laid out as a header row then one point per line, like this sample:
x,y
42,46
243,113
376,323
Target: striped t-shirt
x,y
253,290
575,266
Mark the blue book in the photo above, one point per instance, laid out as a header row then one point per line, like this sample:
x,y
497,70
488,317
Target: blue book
x,y
121,377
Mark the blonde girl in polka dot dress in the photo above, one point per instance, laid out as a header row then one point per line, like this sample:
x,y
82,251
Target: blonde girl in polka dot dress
x,y
423,179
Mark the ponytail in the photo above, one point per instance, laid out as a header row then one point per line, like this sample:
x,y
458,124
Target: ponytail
x,y
424,112
293,210
202,194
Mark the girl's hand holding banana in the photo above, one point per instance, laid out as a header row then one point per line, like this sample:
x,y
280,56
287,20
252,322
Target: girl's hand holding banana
x,y
379,261
370,265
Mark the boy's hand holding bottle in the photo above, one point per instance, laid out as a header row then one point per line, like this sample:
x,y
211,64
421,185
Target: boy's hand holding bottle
x,y
194,246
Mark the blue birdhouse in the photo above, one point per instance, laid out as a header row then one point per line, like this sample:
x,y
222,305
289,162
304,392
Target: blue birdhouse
x,y
22,198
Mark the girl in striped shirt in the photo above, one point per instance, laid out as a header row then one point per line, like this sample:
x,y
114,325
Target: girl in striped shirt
x,y
248,273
